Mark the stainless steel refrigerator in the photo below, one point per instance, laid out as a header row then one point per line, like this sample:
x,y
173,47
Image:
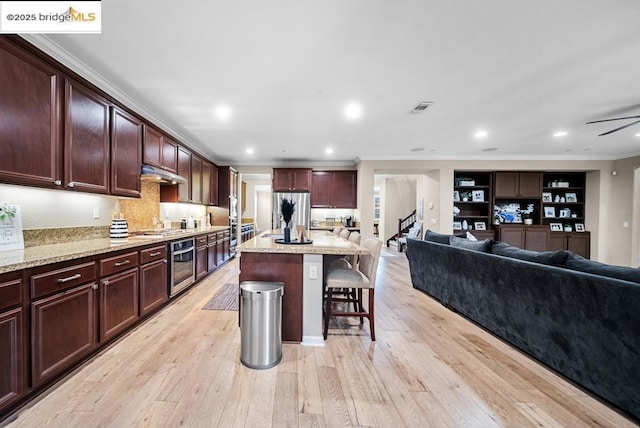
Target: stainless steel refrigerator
x,y
301,215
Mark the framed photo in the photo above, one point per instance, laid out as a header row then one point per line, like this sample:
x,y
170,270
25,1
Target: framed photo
x,y
556,227
456,196
480,225
457,225
549,212
546,197
571,197
579,227
478,196
565,213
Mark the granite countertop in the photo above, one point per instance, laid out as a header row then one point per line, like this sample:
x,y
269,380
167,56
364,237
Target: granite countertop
x,y
324,242
46,254
323,227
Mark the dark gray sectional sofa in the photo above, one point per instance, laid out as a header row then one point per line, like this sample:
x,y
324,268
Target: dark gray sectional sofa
x,y
586,326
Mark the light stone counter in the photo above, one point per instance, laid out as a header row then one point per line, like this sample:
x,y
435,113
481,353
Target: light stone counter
x,y
324,242
46,254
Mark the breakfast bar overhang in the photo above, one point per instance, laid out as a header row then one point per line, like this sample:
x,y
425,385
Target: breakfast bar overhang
x,y
300,267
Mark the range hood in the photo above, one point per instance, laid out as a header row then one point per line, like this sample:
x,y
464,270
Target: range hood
x,y
152,173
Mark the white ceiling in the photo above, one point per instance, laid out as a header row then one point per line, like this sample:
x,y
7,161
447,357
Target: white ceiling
x,y
520,70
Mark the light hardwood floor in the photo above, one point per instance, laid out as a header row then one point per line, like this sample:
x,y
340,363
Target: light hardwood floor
x,y
429,367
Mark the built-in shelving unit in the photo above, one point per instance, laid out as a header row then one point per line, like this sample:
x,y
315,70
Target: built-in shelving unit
x,y
472,200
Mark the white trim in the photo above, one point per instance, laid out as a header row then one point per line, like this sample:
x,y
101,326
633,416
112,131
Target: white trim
x,y
317,341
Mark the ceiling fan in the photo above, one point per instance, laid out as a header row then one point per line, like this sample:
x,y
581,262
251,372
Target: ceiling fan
x,y
619,128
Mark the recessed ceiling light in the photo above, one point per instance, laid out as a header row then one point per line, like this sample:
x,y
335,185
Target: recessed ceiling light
x,y
329,151
560,134
223,112
353,111
480,134
638,134
249,151
490,149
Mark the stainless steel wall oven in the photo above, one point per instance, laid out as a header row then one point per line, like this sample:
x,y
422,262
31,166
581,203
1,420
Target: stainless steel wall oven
x,y
183,265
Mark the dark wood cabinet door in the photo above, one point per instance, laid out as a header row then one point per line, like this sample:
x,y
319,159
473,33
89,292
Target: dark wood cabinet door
x,y
118,303
282,180
506,185
169,154
301,179
557,241
536,238
86,140
344,189
212,257
126,148
12,356
513,235
29,119
220,250
184,169
579,243
321,189
196,180
530,185
153,286
206,183
202,257
63,330
152,147
214,185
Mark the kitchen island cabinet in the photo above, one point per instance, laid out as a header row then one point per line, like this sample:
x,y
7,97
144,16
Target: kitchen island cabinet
x,y
300,268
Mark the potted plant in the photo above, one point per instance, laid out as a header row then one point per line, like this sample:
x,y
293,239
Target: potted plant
x,y
287,208
527,214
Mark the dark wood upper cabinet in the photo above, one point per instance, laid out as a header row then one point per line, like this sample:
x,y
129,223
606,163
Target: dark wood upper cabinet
x,y
196,179
159,150
209,183
29,119
334,189
291,179
126,147
518,185
179,192
86,139
214,197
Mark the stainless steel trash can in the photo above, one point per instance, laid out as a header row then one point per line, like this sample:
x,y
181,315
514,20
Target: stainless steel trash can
x,y
261,323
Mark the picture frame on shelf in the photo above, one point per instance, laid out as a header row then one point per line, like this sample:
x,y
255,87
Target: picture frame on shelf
x,y
457,225
477,196
579,227
555,227
571,197
565,213
466,182
480,225
456,196
549,212
547,197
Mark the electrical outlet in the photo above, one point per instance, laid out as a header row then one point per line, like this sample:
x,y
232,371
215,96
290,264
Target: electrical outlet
x,y
96,212
434,221
313,272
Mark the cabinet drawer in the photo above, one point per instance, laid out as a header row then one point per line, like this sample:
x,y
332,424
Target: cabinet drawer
x,y
227,234
201,241
62,279
10,294
213,238
153,254
118,263
220,236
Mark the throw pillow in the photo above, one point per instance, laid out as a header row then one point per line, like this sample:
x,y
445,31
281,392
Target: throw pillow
x,y
610,271
482,246
471,237
551,258
440,238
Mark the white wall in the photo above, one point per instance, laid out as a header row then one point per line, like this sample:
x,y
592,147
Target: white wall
x,y
397,200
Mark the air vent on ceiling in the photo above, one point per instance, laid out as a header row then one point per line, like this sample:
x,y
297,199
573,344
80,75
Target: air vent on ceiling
x,y
422,106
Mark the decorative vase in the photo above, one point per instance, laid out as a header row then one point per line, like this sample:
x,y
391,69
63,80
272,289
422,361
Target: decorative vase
x,y
528,221
287,234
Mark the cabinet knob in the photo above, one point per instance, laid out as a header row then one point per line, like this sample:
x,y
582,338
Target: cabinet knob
x,y
57,183
70,184
95,285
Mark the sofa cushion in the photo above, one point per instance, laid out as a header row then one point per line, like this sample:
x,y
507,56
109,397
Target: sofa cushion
x,y
552,258
482,246
440,238
575,262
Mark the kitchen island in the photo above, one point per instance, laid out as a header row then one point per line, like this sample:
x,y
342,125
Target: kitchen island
x,y
300,268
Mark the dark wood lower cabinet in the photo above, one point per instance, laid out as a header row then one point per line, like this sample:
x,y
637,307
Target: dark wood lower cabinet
x,y
212,256
63,330
12,356
286,268
153,286
576,242
118,303
202,257
540,238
